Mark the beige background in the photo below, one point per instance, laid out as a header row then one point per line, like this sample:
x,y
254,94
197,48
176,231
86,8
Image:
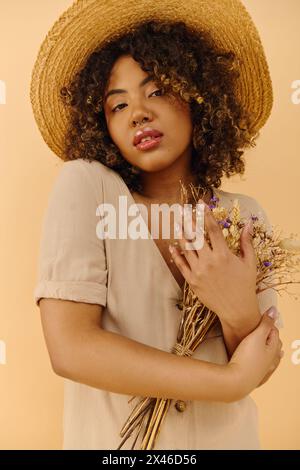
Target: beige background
x,y
31,394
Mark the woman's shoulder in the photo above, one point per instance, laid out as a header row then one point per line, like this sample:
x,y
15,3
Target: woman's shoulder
x,y
244,199
92,167
83,181
92,173
249,205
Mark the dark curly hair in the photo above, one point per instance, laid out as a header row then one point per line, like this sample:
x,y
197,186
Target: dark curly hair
x,y
186,64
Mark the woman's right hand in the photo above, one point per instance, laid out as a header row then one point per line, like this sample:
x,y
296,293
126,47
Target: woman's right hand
x,y
257,356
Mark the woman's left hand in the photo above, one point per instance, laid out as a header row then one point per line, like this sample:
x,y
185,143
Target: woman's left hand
x,y
223,281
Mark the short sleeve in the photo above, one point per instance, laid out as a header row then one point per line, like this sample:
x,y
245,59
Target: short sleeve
x,y
268,297
72,259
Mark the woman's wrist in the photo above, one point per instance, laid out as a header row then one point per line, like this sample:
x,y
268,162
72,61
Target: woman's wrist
x,y
241,325
234,333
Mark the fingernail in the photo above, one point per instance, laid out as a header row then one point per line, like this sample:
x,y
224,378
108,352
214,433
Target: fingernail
x,y
273,312
200,201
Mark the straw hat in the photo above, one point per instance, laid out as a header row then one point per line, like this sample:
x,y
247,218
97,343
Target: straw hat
x,y
87,24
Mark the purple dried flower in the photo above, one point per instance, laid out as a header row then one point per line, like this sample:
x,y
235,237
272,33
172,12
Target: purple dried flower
x,y
267,263
224,223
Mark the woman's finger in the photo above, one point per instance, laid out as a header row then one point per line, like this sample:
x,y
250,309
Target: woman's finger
x,y
198,229
186,246
193,230
180,262
214,230
273,368
272,336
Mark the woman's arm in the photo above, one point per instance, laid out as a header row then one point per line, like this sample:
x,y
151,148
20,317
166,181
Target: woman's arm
x,y
82,351
234,334
224,282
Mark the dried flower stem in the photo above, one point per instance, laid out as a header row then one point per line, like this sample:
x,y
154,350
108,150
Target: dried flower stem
x,y
277,259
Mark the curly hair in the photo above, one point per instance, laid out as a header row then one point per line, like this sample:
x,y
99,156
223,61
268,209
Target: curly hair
x,y
186,64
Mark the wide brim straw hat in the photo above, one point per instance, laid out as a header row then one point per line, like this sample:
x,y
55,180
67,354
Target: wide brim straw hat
x,y
87,24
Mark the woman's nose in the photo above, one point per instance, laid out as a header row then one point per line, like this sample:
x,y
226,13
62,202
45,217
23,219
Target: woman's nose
x,y
140,114
140,121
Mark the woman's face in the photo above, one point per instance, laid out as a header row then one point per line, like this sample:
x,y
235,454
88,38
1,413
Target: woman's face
x,y
141,105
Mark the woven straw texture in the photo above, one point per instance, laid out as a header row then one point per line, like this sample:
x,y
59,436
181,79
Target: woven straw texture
x,y
88,23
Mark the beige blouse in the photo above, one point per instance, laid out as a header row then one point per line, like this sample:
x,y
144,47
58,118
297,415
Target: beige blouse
x,y
133,282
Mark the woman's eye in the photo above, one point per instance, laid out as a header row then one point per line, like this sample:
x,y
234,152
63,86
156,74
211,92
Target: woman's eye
x,y
121,104
160,91
114,109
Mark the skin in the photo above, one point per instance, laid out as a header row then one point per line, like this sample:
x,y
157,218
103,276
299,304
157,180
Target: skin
x,y
82,351
226,283
162,167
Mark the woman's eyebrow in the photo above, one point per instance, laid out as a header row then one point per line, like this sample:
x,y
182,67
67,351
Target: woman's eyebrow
x,y
119,90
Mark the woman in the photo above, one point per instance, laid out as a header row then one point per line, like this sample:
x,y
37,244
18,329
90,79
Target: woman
x,y
109,305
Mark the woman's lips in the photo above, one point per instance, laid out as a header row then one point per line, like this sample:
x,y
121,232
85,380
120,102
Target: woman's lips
x,y
149,144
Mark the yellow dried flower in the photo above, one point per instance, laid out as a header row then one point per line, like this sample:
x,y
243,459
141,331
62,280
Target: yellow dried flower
x,y
277,260
225,232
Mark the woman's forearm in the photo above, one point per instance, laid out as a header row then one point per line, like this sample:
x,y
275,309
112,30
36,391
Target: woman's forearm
x,y
235,333
109,361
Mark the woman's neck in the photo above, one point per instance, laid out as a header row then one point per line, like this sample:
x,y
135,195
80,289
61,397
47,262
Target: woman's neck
x,y
171,194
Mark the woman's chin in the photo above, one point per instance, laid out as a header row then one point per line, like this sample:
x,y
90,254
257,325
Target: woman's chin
x,y
152,166
152,163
